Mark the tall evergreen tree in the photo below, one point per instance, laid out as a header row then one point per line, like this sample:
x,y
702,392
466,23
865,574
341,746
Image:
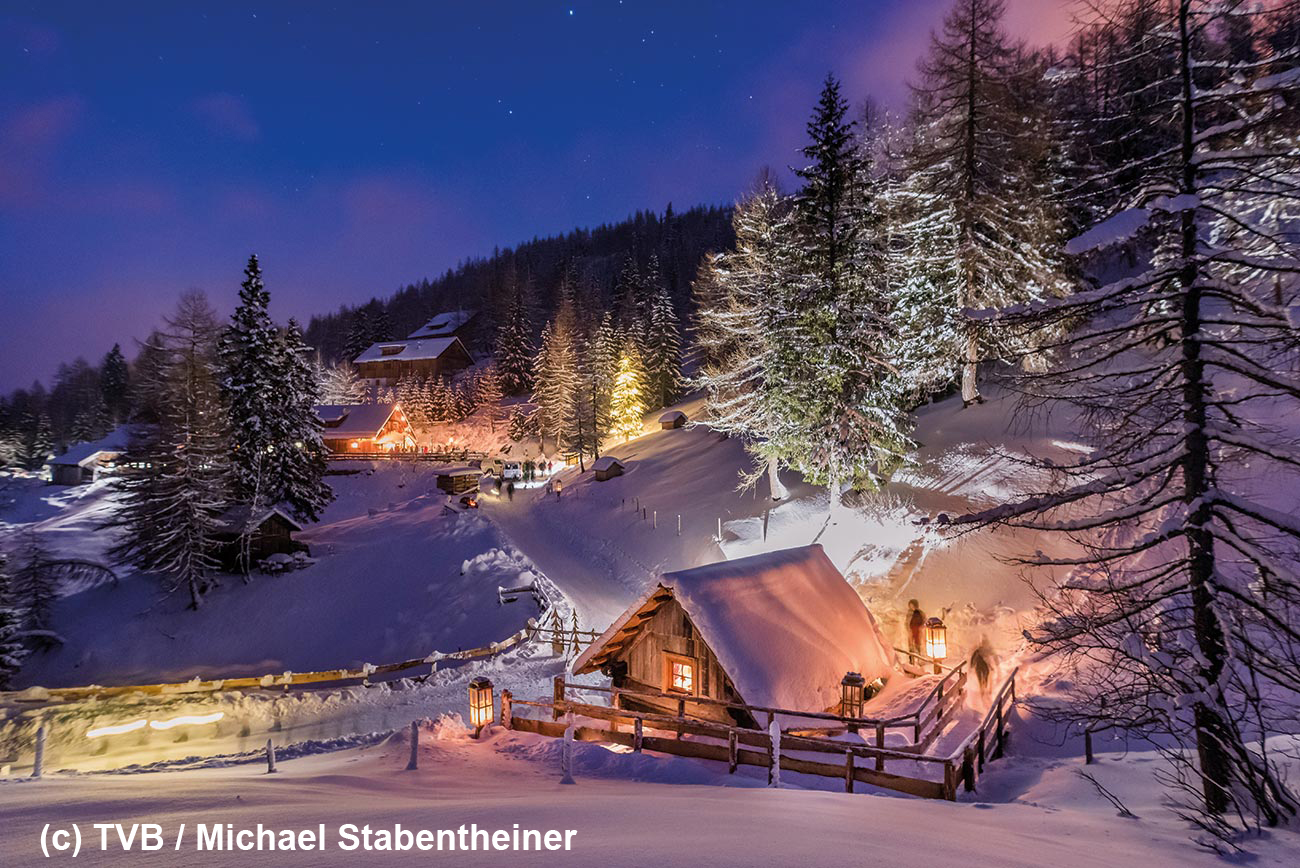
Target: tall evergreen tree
x,y
627,405
177,472
663,350
115,384
981,158
556,374
515,340
300,453
12,651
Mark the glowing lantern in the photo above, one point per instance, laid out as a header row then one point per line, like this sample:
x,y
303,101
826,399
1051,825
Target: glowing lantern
x,y
481,710
852,689
936,641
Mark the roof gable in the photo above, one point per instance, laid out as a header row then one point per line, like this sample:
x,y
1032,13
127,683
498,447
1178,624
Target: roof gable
x,y
354,420
411,350
444,323
785,626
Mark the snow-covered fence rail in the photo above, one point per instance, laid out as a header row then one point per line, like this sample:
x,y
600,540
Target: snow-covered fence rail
x,y
988,742
431,457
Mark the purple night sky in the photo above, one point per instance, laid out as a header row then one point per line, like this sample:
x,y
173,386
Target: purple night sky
x,y
147,148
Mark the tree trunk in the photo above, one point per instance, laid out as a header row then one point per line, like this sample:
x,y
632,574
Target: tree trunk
x,y
970,392
1212,733
775,487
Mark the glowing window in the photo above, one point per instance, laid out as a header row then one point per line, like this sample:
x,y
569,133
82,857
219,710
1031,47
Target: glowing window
x,y
681,676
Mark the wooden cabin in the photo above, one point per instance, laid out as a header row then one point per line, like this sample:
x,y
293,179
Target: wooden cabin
x,y
607,467
86,462
672,419
390,361
269,532
777,630
356,429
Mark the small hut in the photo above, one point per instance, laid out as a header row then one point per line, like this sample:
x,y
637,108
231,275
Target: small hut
x,y
458,480
607,467
269,532
357,429
672,419
778,630
86,462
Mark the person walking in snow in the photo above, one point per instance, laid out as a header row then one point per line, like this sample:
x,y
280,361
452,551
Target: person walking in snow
x,y
915,625
510,491
982,661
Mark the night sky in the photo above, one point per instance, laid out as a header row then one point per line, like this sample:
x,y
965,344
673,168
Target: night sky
x,y
147,148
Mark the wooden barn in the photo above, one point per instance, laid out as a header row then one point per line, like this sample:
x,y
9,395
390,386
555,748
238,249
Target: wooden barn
x,y
458,480
390,361
607,467
778,630
672,419
355,429
270,532
86,462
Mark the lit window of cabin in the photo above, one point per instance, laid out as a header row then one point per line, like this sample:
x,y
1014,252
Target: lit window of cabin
x,y
681,674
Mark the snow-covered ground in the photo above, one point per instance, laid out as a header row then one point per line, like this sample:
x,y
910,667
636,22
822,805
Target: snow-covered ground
x,y
638,809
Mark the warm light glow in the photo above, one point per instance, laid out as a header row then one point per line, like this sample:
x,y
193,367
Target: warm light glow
x,y
187,720
118,729
682,677
481,703
625,405
852,688
354,444
936,639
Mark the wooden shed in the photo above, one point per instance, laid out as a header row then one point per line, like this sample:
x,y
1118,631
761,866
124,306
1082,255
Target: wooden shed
x,y
86,462
607,467
458,480
778,630
269,532
672,419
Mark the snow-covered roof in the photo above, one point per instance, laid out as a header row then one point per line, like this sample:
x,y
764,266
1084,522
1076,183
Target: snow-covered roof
x,y
672,416
605,462
443,324
80,454
785,626
353,420
237,518
409,350
464,470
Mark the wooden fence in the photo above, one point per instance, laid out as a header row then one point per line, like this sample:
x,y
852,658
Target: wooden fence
x,y
458,456
736,746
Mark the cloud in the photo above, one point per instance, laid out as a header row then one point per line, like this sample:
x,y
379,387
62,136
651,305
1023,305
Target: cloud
x,y
227,115
28,141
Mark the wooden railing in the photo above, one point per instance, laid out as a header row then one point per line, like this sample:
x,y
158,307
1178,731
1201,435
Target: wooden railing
x,y
443,457
988,742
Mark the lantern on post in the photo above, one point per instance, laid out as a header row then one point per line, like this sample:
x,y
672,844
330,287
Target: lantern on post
x,y
481,709
936,642
852,689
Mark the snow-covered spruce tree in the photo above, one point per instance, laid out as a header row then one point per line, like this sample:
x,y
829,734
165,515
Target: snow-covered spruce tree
x,y
981,161
663,350
490,394
34,585
177,472
12,650
515,339
1181,621
556,373
36,443
732,331
300,456
340,384
829,370
359,337
522,425
439,400
115,384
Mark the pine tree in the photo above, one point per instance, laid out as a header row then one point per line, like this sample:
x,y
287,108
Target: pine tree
x,y
556,374
34,584
515,341
845,420
177,471
36,444
1178,620
115,384
522,425
360,333
663,350
340,384
12,651
300,455
981,159
490,394
627,406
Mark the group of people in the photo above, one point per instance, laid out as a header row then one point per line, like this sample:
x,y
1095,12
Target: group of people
x,y
982,660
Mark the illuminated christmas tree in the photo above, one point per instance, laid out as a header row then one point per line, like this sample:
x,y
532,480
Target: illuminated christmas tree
x,y
627,406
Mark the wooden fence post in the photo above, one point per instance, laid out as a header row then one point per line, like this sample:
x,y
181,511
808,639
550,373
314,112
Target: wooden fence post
x,y
774,754
719,529
681,716
270,757
848,771
968,770
566,756
731,752
949,781
1087,746
679,524
637,734
880,744
38,763
979,748
414,762
997,733
507,709
557,699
